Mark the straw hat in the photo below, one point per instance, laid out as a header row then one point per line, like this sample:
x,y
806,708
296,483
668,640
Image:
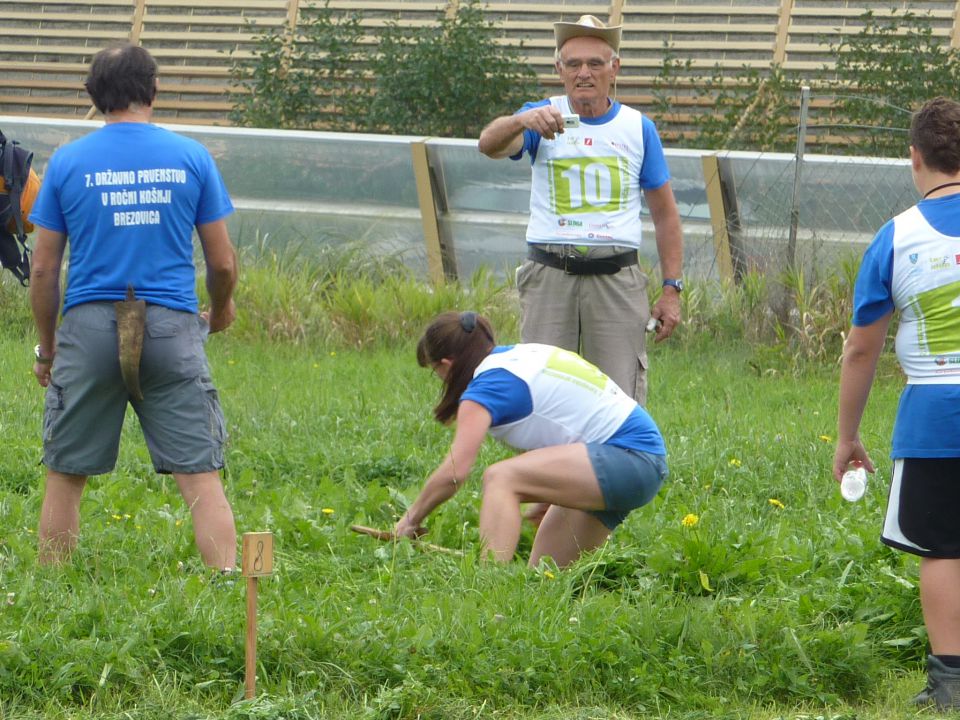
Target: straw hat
x,y
588,26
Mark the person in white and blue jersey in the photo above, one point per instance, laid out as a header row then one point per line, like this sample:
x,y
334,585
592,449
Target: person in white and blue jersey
x,y
590,453
911,270
595,163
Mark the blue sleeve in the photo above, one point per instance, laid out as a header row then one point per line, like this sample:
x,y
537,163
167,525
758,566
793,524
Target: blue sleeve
x,y
505,396
47,211
654,172
873,291
214,201
531,139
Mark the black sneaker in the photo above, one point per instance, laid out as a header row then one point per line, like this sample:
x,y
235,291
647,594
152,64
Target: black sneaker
x,y
943,686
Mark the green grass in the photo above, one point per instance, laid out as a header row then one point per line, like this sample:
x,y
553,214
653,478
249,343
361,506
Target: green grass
x,y
761,610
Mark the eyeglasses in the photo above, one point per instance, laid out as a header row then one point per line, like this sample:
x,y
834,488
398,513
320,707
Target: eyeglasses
x,y
575,66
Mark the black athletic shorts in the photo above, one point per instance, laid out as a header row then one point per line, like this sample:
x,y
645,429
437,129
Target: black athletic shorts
x,y
924,507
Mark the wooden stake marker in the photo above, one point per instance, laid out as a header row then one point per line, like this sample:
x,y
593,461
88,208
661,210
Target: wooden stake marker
x,y
256,561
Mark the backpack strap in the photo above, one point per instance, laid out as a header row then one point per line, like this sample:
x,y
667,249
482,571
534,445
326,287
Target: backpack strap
x,y
16,171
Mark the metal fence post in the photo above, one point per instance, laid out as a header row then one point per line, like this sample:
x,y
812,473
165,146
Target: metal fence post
x,y
797,175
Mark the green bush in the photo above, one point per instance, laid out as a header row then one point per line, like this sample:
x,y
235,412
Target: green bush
x,y
873,89
303,78
891,66
448,80
754,112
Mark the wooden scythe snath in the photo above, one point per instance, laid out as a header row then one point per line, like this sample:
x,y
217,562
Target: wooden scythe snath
x,y
131,318
388,536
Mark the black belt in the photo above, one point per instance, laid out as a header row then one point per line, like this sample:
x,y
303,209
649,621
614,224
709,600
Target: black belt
x,y
575,265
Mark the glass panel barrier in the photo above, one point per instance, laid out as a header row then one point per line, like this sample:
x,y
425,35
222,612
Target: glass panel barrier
x,y
318,188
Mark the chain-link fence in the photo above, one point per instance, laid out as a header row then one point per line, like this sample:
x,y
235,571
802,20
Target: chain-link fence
x,y
783,214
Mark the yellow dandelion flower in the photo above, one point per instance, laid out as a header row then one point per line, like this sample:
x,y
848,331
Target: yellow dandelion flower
x,y
117,517
735,462
327,511
776,503
231,362
548,575
316,365
826,438
333,353
690,520
126,516
178,523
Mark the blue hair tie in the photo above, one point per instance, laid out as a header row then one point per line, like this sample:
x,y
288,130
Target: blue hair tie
x,y
468,321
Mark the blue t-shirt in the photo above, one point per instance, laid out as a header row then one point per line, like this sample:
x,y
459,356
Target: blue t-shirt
x,y
128,197
928,416
508,399
653,172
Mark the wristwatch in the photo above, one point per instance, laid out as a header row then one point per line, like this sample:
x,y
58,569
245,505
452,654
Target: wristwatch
x,y
40,358
675,283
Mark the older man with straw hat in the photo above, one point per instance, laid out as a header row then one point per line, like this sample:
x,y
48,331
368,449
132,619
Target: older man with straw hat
x,y
580,285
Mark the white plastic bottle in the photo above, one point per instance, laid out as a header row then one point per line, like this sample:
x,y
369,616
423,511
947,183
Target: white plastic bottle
x,y
853,484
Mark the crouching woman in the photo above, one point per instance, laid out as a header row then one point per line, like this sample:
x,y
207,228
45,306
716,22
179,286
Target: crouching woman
x,y
590,455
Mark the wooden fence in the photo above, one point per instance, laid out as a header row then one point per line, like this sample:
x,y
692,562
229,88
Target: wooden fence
x,y
45,47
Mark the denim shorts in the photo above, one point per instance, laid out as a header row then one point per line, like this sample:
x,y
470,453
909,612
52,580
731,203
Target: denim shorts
x,y
86,400
628,479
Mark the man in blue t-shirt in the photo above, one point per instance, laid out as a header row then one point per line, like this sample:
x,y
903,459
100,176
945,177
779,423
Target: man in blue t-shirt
x,y
912,268
580,287
126,199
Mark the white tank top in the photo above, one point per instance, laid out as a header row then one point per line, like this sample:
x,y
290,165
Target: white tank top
x,y
572,400
586,182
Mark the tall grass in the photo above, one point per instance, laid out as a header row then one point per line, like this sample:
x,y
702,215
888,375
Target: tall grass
x,y
342,296
747,589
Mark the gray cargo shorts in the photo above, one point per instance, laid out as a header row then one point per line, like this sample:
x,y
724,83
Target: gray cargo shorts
x,y
86,400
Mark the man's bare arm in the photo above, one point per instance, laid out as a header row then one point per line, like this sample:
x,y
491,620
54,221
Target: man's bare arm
x,y
45,294
221,261
503,137
669,237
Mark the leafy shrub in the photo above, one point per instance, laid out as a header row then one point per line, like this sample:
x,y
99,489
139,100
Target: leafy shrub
x,y
305,77
881,65
873,89
448,80
753,111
